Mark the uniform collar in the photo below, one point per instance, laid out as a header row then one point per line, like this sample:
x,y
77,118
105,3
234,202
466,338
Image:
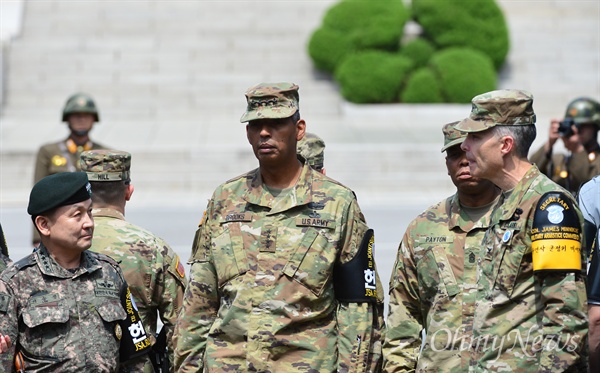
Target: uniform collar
x,y
50,267
300,194
510,204
106,212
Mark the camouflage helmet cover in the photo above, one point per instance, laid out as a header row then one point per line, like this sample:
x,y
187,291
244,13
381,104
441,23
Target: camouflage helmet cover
x,y
312,149
106,165
505,107
584,110
271,101
80,103
452,136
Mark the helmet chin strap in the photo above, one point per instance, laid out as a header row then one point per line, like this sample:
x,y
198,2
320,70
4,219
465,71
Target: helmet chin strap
x,y
81,132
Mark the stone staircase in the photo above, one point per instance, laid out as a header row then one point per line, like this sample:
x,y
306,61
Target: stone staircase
x,y
169,78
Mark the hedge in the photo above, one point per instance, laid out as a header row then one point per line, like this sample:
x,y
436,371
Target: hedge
x,y
418,50
373,24
463,73
372,76
328,48
477,24
422,87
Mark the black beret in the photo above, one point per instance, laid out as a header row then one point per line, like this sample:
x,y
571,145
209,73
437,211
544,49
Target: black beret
x,y
65,188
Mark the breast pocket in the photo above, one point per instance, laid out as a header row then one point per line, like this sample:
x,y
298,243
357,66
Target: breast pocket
x,y
436,278
47,329
312,263
505,251
229,257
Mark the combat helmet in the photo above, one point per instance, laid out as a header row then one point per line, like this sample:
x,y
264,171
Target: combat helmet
x,y
584,110
80,103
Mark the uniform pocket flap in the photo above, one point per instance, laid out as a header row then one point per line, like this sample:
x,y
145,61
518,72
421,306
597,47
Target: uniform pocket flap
x,y
111,311
44,314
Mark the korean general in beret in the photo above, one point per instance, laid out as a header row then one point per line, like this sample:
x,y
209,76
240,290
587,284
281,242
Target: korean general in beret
x,y
65,188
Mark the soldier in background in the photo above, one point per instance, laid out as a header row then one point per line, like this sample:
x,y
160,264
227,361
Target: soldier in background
x,y
433,284
153,271
282,277
64,308
530,313
579,134
312,149
4,259
80,113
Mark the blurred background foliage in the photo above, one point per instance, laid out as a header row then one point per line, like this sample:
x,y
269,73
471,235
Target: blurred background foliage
x,y
430,51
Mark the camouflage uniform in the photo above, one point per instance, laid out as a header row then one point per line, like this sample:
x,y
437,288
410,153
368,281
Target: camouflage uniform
x,y
513,301
528,318
311,149
433,287
62,320
153,271
261,294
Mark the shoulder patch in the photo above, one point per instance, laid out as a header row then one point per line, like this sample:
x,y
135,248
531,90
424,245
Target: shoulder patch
x,y
179,267
556,234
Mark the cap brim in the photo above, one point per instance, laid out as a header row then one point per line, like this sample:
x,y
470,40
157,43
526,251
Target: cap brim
x,y
268,114
470,125
452,143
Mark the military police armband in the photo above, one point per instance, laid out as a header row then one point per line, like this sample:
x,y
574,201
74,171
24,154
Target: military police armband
x,y
355,281
134,341
556,234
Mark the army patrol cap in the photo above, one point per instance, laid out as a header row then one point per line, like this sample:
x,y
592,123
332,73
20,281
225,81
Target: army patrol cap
x,y
271,101
106,165
80,103
61,189
452,136
312,149
506,107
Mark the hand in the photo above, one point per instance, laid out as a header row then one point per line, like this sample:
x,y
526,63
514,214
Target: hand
x,y
553,132
4,343
573,142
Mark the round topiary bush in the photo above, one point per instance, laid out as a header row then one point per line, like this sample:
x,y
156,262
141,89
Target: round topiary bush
x,y
374,24
372,76
418,50
463,73
422,87
328,47
476,24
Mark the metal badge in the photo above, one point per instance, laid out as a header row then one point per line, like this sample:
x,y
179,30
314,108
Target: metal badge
x,y
506,236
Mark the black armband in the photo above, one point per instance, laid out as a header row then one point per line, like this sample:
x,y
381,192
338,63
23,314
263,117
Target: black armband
x,y
134,340
356,281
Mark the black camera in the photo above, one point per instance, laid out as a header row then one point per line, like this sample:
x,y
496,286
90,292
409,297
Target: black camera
x,y
565,127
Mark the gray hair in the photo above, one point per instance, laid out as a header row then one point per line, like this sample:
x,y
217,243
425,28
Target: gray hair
x,y
523,137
